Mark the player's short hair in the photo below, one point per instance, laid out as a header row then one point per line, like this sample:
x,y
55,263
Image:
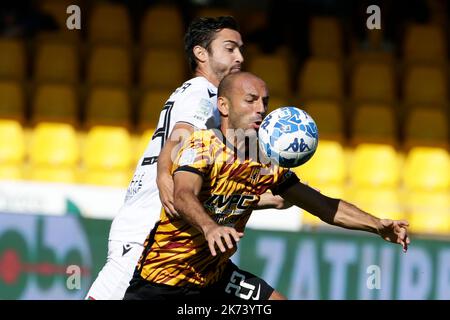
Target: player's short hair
x,y
202,31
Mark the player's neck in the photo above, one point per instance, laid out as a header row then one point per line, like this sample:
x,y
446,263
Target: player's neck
x,y
210,76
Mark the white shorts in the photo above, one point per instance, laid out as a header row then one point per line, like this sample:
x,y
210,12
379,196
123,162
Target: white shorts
x,y
113,280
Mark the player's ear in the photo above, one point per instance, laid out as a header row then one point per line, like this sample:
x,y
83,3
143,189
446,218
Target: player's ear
x,y
222,105
200,53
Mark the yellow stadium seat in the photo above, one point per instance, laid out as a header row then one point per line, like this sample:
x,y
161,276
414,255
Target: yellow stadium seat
x,y
320,170
427,169
12,149
321,79
109,65
12,100
162,69
171,36
107,148
56,62
53,153
374,123
374,165
12,59
424,85
325,37
426,127
55,102
108,106
328,116
428,212
274,69
109,24
151,106
381,202
424,44
373,82
54,144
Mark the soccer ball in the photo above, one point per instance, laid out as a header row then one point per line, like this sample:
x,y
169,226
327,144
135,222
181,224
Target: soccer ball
x,y
288,136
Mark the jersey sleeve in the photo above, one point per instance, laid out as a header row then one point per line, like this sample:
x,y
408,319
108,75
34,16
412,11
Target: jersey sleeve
x,y
195,155
195,108
284,179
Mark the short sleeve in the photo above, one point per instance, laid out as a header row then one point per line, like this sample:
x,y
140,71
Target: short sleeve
x,y
285,179
195,155
196,108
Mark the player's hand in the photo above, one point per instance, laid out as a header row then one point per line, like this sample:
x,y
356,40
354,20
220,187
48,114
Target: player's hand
x,y
395,231
217,235
165,187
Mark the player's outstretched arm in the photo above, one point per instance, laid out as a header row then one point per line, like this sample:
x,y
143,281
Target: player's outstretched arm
x,y
187,187
343,214
164,179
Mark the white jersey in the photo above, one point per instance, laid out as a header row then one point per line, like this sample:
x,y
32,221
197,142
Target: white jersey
x,y
195,102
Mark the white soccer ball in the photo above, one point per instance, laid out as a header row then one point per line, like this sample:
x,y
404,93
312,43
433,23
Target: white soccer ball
x,y
288,136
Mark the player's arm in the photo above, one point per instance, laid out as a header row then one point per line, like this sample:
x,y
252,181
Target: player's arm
x,y
270,201
164,180
187,186
343,214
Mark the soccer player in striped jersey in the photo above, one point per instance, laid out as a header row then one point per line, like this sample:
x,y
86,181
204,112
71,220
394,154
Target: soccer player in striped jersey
x,y
213,47
218,180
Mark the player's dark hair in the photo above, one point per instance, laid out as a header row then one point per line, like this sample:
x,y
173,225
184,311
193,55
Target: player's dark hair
x,y
202,32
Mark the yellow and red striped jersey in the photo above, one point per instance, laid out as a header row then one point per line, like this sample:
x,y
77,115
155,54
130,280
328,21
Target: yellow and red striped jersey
x,y
177,253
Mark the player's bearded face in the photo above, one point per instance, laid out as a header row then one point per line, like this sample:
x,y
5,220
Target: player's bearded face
x,y
225,53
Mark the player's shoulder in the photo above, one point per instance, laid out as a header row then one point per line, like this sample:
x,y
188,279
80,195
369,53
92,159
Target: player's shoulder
x,y
198,87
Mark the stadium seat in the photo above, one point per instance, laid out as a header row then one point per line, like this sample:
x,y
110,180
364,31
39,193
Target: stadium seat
x,y
12,59
424,44
12,101
53,153
329,118
426,127
321,79
54,144
274,69
373,82
319,170
162,69
374,123
427,169
384,202
109,65
56,62
109,24
428,212
12,149
424,85
108,106
107,148
325,37
150,108
107,156
171,36
374,165
56,103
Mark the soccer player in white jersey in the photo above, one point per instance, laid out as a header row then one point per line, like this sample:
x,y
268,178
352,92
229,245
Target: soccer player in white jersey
x,y
213,47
